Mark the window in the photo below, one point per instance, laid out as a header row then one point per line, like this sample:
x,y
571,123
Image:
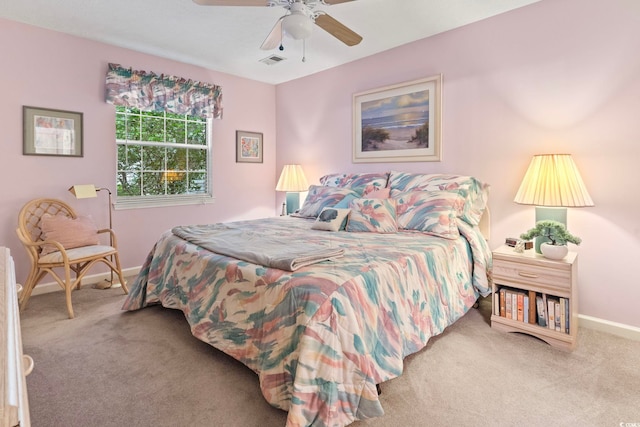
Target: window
x,y
163,159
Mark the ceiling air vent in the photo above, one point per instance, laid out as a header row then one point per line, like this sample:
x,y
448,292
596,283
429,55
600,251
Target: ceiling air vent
x,y
273,59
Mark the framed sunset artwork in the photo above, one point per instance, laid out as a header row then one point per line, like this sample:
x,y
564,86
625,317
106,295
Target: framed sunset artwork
x,y
399,123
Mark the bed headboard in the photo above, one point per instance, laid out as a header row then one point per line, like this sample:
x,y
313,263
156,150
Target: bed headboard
x,y
485,224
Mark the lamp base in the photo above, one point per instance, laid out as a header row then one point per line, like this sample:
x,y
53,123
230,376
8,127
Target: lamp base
x,y
293,202
105,284
544,213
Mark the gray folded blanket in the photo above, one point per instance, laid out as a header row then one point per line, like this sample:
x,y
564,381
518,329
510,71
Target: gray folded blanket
x,y
270,251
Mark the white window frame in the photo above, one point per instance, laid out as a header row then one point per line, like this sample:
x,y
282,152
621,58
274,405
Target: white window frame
x,y
135,202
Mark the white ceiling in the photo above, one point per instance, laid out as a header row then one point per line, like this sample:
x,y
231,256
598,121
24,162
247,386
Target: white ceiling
x,y
228,39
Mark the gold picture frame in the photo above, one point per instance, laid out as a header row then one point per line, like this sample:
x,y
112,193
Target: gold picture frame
x,y
399,123
50,132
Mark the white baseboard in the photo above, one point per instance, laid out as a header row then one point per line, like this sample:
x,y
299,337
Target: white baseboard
x,y
619,329
45,288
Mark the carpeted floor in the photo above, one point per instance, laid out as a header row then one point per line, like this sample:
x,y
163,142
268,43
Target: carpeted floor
x,y
107,368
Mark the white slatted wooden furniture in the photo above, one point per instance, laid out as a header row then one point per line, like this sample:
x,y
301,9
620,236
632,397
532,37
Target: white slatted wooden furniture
x,y
14,403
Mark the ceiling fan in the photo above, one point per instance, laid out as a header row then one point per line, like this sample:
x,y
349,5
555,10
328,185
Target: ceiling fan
x,y
298,22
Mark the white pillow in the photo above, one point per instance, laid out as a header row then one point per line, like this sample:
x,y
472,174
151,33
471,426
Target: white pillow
x,y
331,219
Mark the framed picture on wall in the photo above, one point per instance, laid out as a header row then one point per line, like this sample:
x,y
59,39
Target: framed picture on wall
x,y
248,147
399,123
51,132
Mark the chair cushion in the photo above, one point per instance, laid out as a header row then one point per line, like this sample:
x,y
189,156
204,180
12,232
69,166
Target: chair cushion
x,y
70,233
76,253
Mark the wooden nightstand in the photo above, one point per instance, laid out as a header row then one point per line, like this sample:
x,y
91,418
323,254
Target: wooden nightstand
x,y
529,280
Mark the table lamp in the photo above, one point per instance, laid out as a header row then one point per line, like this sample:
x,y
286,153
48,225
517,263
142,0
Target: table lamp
x,y
552,183
293,181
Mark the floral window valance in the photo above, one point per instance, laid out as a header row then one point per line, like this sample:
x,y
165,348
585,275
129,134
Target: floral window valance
x,y
152,92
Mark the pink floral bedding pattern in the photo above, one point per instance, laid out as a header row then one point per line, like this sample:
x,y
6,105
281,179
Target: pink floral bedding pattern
x,y
320,197
322,337
372,216
432,212
364,183
474,193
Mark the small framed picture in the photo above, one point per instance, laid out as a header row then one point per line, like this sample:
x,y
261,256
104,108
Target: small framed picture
x,y
51,132
248,147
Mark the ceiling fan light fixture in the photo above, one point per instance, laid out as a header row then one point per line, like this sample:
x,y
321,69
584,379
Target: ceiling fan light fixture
x,y
298,25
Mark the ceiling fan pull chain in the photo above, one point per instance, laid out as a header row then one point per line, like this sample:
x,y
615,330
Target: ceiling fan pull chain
x,y
281,47
304,50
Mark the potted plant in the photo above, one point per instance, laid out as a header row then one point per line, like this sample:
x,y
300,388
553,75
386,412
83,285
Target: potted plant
x,y
555,237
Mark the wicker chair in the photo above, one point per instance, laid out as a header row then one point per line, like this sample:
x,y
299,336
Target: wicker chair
x,y
79,260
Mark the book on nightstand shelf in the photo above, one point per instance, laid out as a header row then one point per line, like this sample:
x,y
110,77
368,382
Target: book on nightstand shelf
x,y
533,307
502,303
566,316
542,312
551,313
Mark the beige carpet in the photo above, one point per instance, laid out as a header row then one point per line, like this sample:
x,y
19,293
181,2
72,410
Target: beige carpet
x,y
112,368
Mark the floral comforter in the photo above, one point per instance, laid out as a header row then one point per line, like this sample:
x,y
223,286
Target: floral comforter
x,y
322,337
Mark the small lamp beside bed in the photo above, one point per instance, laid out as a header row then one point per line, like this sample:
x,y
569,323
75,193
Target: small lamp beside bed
x,y
293,181
552,183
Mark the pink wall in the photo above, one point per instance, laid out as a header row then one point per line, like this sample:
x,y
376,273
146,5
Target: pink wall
x,y
556,76
47,69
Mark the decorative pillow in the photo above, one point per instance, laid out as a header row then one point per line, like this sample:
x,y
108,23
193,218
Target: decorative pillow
x,y
373,215
320,197
363,183
382,193
433,212
344,203
474,192
331,219
70,233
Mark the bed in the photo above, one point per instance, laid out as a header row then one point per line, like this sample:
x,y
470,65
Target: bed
x,y
322,335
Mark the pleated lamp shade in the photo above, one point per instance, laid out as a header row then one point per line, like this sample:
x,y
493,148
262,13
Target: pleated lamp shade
x,y
292,179
553,180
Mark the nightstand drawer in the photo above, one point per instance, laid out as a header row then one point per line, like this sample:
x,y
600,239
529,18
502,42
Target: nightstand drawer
x,y
532,274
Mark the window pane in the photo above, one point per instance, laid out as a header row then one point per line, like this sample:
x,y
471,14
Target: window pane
x,y
197,160
129,157
133,128
176,131
197,182
153,183
176,182
121,126
152,129
128,184
177,159
197,133
153,158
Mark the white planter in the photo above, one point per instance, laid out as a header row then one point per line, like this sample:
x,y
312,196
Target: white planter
x,y
554,252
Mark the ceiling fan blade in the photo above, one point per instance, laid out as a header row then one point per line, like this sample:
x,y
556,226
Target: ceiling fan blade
x,y
232,2
274,39
330,2
338,30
